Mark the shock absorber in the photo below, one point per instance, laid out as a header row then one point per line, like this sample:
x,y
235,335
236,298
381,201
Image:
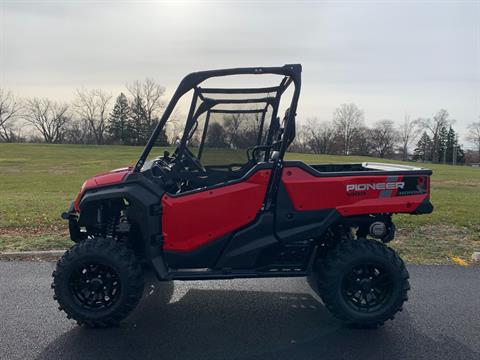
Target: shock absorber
x,y
110,223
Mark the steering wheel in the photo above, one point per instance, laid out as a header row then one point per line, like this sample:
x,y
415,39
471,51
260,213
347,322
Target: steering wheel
x,y
192,162
252,151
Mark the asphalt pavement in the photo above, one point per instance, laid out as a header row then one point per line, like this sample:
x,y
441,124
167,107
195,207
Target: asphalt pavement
x,y
241,319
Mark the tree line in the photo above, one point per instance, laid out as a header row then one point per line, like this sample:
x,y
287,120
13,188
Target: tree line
x,y
94,117
420,139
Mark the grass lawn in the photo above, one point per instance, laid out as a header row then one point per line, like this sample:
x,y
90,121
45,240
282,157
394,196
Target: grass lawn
x,y
37,183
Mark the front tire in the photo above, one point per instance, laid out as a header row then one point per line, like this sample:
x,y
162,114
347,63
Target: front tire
x,y
98,282
361,282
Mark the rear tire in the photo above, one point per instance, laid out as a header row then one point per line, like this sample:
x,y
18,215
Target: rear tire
x,y
98,282
361,282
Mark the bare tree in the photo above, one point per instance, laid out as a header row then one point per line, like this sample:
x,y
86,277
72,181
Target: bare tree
x,y
347,119
361,142
408,133
216,136
319,136
175,124
473,135
92,107
435,126
232,123
149,94
299,144
9,113
78,132
47,117
383,137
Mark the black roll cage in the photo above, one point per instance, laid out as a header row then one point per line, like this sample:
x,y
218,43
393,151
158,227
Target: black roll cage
x,y
291,73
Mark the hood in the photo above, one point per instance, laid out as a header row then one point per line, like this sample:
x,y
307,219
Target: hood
x,y
103,179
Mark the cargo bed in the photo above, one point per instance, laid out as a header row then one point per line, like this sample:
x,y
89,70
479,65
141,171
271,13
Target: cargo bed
x,y
358,169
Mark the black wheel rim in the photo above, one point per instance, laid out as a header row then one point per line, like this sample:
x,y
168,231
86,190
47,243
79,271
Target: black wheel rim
x,y
95,286
367,287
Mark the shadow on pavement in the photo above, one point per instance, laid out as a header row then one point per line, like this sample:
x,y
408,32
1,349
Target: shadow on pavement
x,y
220,324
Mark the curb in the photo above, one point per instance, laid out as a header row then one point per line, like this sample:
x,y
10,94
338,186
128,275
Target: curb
x,y
48,255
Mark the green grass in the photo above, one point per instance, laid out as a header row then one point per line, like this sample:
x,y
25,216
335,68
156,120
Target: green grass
x,y
37,182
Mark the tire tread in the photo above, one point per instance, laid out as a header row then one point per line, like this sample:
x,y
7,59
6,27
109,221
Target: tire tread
x,y
120,254
325,274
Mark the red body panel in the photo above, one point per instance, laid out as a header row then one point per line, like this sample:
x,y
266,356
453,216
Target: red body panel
x,y
308,192
192,220
113,177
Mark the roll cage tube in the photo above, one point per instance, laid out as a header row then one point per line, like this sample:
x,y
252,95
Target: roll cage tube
x,y
289,132
192,81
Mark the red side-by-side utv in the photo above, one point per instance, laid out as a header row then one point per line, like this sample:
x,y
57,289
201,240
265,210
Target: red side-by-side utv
x,y
259,215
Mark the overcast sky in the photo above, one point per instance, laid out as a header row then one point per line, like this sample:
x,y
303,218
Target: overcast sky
x,y
388,57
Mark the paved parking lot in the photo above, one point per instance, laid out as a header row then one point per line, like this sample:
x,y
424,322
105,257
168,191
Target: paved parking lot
x,y
242,319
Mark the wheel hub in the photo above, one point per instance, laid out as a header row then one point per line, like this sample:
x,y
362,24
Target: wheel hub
x,y
95,286
366,284
367,287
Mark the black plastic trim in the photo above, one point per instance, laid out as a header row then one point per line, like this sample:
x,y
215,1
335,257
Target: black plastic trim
x,y
425,207
233,274
205,256
246,244
292,225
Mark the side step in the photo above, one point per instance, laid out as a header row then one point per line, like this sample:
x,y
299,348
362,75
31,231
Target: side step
x,y
211,274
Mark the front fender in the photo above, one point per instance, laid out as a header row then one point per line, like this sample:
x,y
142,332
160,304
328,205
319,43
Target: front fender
x,y
144,210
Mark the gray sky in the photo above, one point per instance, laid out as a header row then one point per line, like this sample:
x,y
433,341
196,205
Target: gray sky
x,y
388,57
